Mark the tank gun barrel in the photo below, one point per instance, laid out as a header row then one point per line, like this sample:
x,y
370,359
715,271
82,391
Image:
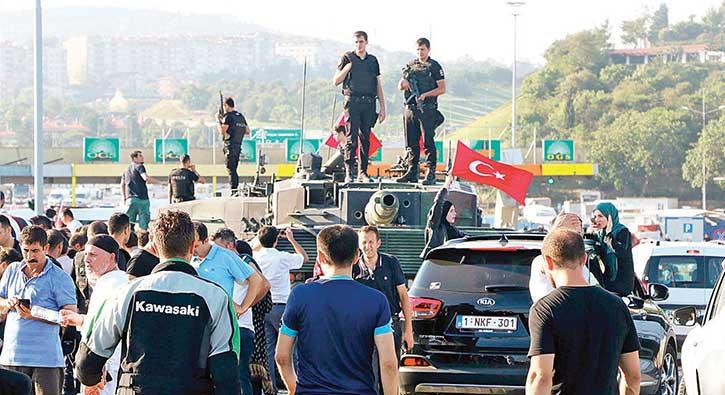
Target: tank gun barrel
x,y
382,208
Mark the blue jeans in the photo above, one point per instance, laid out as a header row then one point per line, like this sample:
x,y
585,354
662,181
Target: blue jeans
x,y
272,323
246,348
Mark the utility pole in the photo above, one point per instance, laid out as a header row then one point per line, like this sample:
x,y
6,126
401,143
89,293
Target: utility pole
x,y
38,121
515,5
703,113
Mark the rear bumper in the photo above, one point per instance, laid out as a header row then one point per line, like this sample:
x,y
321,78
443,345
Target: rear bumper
x,y
462,381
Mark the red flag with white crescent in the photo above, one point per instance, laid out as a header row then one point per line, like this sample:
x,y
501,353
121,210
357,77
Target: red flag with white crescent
x,y
472,166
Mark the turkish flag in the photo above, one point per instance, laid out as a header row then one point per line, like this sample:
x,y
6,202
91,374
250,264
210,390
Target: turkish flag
x,y
472,166
375,143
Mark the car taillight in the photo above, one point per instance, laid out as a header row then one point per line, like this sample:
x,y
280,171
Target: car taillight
x,y
424,308
414,361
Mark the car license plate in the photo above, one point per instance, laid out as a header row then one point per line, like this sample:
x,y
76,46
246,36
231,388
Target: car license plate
x,y
482,322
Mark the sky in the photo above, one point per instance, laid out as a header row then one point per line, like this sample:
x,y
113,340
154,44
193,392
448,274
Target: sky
x,y
482,29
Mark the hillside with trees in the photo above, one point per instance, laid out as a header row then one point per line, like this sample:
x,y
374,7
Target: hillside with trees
x,y
641,123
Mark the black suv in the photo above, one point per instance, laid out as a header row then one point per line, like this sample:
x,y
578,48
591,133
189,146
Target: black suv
x,y
471,304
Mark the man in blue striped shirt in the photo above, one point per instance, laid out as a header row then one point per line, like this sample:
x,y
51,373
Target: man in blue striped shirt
x,y
32,345
337,322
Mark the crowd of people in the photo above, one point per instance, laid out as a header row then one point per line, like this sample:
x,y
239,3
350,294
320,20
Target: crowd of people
x,y
104,308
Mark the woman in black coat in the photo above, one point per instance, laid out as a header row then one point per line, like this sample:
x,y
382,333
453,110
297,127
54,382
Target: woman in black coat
x,y
441,217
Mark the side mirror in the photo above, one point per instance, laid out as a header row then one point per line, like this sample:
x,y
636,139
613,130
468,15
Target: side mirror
x,y
685,316
659,292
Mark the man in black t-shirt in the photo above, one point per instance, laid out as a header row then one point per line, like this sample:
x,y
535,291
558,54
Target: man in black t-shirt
x,y
384,273
233,127
580,333
359,74
423,81
143,262
181,181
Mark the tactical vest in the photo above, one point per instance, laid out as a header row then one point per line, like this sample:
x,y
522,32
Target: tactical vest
x,y
361,80
422,74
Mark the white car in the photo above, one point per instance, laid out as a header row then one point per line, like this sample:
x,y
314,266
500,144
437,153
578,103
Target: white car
x,y
689,269
703,352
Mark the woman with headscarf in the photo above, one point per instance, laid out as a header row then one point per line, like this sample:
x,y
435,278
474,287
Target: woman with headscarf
x,y
605,220
441,218
261,382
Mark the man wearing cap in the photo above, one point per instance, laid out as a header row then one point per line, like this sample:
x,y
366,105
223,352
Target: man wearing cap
x,y
105,278
178,331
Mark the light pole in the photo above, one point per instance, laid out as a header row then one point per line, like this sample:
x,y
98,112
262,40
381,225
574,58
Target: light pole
x,y
515,5
38,122
703,113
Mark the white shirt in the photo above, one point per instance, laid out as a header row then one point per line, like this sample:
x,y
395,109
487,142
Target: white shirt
x,y
66,263
74,225
105,289
276,266
245,320
539,284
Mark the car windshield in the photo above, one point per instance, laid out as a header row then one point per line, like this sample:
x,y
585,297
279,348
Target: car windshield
x,y
684,271
479,270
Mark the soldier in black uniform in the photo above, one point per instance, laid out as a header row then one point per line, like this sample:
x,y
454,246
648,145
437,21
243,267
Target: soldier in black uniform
x,y
233,127
423,81
181,181
359,74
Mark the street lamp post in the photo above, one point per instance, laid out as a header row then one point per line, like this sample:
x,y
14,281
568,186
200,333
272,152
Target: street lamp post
x,y
515,5
38,121
703,113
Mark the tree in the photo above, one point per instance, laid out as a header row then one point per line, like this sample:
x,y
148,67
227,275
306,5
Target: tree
x,y
635,31
641,152
587,50
659,21
709,150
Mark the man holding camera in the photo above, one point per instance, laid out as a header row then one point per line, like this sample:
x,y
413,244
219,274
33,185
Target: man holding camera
x,y
359,74
422,82
276,266
181,181
233,127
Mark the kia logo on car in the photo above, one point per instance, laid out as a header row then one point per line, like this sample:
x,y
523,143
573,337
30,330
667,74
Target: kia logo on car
x,y
487,302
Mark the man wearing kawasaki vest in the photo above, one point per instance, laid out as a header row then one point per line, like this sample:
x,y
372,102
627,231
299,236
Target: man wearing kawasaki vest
x,y
178,331
423,81
359,74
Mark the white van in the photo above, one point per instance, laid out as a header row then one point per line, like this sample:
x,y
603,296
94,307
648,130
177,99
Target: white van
x,y
689,269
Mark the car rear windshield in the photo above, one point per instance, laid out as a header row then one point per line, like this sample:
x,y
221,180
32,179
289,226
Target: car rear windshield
x,y
684,271
479,269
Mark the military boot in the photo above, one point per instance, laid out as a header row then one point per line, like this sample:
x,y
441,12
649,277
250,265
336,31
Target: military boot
x,y
430,177
350,173
411,175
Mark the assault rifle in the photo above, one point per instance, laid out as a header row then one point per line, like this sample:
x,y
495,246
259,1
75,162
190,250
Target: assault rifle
x,y
414,90
221,105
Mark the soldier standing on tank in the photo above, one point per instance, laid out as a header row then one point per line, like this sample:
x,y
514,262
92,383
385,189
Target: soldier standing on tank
x,y
359,74
423,81
233,127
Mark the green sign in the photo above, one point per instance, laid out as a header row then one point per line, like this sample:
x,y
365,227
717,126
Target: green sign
x,y
293,148
249,151
170,150
378,157
100,149
493,152
558,150
275,135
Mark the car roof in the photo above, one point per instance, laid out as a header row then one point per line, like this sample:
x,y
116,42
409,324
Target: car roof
x,y
504,241
683,248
